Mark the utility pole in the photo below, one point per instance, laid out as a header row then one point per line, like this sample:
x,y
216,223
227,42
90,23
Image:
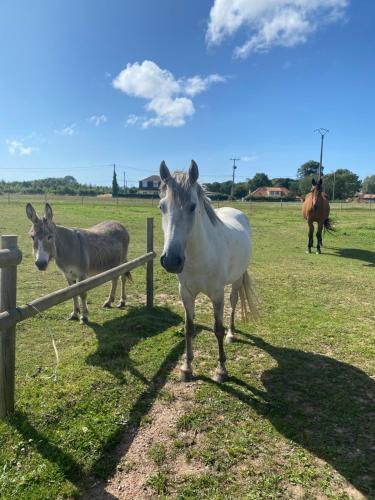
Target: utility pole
x,y
334,182
234,168
322,132
124,183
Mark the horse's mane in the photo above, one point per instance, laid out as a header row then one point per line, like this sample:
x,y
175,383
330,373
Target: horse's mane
x,y
180,187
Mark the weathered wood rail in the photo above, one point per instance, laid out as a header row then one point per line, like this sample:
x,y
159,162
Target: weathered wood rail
x,y
10,314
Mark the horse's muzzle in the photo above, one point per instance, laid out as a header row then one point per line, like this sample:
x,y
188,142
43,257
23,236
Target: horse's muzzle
x,y
172,263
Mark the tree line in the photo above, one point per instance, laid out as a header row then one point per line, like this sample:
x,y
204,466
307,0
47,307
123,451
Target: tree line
x,y
341,184
67,185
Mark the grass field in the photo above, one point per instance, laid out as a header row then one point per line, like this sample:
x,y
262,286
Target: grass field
x,y
295,420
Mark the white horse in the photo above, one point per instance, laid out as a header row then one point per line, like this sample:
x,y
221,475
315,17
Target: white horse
x,y
208,249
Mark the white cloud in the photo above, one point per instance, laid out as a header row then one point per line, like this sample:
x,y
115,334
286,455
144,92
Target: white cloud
x,y
69,130
249,158
17,147
98,119
270,23
169,99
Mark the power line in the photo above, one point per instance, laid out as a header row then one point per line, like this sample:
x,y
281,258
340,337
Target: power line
x,y
234,169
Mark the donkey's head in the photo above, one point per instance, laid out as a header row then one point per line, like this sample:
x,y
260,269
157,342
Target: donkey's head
x,y
179,199
43,235
316,190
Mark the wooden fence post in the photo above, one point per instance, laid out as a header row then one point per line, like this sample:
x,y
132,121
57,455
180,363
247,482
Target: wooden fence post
x,y
8,290
150,263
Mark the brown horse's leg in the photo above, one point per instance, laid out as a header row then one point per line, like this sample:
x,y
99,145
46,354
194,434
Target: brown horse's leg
x,y
311,237
319,237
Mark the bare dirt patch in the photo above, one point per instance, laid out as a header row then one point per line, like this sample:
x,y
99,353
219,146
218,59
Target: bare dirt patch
x,y
136,461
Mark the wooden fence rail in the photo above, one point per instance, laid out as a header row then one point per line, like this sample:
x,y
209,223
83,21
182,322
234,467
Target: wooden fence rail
x,y
10,314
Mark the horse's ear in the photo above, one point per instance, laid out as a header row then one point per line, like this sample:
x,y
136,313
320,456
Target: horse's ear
x,y
193,172
320,181
313,182
31,214
165,174
48,213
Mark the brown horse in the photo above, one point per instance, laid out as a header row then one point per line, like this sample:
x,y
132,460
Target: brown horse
x,y
316,209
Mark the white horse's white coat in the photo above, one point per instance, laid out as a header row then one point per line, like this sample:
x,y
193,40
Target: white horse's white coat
x,y
207,252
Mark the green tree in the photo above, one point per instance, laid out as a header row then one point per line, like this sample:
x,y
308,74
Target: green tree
x,y
259,180
115,186
241,189
347,184
368,185
309,169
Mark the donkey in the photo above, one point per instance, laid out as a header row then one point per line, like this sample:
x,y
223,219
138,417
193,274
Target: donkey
x,y
316,209
80,253
207,249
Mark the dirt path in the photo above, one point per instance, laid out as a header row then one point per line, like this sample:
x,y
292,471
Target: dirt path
x,y
151,449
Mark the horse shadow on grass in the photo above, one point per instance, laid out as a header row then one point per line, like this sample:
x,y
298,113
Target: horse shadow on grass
x,y
324,405
117,337
115,340
358,254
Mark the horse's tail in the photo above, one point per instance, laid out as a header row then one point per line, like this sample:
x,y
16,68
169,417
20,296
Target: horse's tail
x,y
248,298
329,225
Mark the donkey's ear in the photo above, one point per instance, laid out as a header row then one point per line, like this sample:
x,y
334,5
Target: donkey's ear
x,y
193,172
48,213
31,214
165,174
313,182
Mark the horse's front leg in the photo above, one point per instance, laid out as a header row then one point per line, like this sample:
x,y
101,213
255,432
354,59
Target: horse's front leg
x,y
188,301
233,303
221,372
74,316
311,237
319,237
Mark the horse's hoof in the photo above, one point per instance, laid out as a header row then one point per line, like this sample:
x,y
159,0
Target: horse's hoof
x,y
318,252
83,320
107,305
186,375
229,339
73,317
308,251
220,376
121,304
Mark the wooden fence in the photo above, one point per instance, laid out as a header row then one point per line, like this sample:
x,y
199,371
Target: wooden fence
x,y
10,314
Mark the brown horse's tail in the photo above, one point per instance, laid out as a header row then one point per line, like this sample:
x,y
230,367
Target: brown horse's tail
x,y
329,225
248,298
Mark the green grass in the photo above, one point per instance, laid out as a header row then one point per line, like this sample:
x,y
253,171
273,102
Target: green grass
x,y
296,418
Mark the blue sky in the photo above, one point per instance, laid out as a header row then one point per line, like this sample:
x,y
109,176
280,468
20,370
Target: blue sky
x,y
87,84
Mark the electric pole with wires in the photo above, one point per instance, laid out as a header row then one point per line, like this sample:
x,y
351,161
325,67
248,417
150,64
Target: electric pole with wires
x,y
322,132
234,169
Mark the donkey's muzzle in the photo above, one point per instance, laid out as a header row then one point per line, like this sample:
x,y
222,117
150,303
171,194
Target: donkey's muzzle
x,y
172,263
41,265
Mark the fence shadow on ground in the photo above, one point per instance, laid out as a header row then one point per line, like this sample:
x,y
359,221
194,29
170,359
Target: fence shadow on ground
x,y
324,405
122,334
358,254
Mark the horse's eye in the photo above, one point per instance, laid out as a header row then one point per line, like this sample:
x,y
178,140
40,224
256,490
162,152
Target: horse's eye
x,y
32,236
49,237
192,208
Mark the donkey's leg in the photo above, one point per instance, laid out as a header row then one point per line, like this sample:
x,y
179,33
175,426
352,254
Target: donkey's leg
x,y
221,372
74,316
233,302
319,237
121,304
84,310
311,237
189,302
112,294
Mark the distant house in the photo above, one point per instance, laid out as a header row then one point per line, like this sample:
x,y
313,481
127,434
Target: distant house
x,y
270,192
150,185
364,198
